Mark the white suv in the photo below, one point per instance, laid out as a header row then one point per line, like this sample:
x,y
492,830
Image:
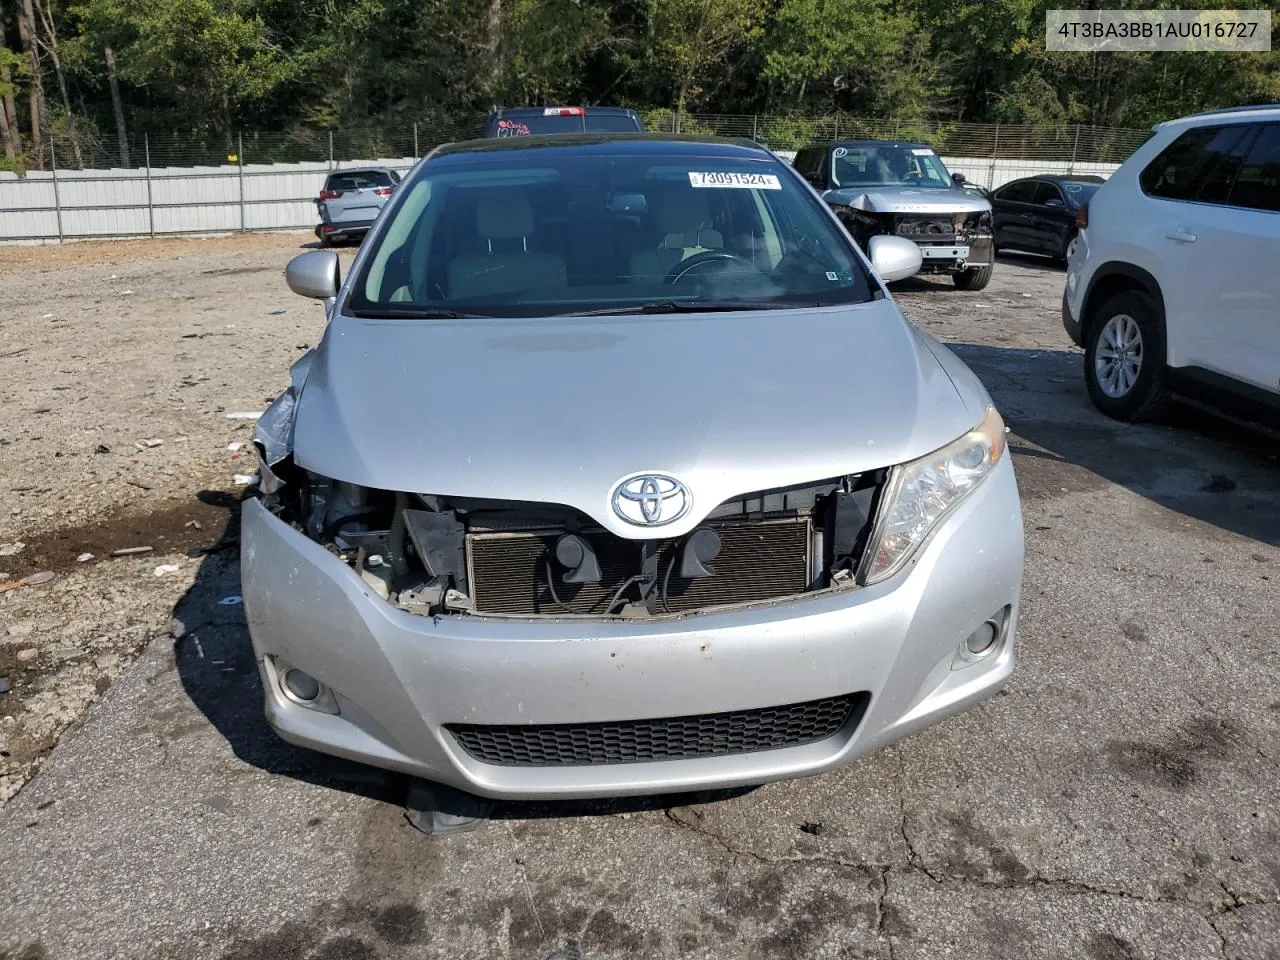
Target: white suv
x,y
1174,285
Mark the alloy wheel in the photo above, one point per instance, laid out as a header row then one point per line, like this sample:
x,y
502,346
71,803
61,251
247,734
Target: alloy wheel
x,y
1118,358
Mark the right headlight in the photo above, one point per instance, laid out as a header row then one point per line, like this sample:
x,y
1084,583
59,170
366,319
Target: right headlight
x,y
921,493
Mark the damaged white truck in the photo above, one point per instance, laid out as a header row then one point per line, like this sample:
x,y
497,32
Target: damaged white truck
x,y
887,188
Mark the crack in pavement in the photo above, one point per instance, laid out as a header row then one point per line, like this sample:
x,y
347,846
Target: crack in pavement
x,y
881,932
915,863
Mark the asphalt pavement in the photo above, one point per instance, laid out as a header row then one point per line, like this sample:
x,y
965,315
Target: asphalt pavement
x,y
1117,801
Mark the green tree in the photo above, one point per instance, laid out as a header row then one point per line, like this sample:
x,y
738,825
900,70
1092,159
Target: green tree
x,y
210,59
855,53
688,39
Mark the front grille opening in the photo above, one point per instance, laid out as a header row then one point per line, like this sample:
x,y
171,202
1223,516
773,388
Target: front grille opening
x,y
514,573
434,555
667,738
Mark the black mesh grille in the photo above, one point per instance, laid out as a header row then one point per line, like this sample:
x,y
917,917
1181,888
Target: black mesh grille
x,y
667,738
759,560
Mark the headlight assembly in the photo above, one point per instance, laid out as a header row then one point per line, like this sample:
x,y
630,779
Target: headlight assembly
x,y
921,493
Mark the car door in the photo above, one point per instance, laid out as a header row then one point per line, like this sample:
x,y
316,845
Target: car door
x,y
1253,347
1048,218
1216,260
1010,206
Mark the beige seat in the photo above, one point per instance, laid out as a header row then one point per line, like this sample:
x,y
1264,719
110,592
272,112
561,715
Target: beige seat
x,y
504,220
683,218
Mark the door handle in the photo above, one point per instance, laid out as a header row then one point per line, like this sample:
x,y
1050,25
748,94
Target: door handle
x,y
1182,236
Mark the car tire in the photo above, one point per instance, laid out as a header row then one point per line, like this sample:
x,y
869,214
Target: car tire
x,y
1125,369
975,278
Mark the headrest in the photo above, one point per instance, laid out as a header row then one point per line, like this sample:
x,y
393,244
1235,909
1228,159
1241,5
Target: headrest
x,y
503,213
679,211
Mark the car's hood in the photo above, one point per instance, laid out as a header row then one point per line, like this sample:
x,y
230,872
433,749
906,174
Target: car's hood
x,y
906,200
561,409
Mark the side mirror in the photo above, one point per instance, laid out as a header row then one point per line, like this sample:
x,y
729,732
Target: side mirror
x,y
816,180
894,258
315,274
1054,202
958,179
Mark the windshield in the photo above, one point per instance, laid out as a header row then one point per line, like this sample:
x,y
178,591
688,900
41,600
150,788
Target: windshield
x,y
530,124
359,180
888,164
543,231
612,123
1079,193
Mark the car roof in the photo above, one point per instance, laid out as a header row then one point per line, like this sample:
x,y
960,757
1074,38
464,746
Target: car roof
x,y
1245,114
872,143
1063,178
539,111
629,143
346,170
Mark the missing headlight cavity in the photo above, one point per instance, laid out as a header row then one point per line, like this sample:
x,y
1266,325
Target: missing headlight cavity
x,y
435,555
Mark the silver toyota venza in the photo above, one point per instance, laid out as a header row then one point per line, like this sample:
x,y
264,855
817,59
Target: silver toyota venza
x,y
618,471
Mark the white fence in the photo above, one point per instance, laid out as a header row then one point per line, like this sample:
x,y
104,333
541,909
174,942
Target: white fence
x,y
85,204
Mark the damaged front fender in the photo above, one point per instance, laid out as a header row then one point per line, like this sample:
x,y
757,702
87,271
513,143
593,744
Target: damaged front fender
x,y
273,435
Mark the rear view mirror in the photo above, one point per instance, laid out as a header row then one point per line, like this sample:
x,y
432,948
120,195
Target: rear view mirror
x,y
894,258
315,274
628,203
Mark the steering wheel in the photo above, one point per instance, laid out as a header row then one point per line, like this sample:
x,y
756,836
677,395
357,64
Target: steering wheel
x,y
679,271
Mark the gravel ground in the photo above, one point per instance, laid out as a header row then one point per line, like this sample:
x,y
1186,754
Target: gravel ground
x,y
119,363
1117,802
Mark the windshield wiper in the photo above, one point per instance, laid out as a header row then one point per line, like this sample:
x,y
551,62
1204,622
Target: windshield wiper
x,y
688,306
414,313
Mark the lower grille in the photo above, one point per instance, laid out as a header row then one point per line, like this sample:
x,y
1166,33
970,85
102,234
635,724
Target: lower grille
x,y
759,560
670,738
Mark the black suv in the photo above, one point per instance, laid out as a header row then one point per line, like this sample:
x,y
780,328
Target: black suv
x,y
529,121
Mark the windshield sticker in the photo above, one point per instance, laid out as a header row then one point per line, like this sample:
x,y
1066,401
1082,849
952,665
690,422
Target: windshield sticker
x,y
512,128
740,181
831,275
839,152
922,152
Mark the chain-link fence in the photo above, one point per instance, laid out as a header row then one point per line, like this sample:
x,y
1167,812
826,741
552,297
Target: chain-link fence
x,y
148,184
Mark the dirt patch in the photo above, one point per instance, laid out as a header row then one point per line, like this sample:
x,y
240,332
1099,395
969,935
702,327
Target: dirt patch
x,y
202,523
53,255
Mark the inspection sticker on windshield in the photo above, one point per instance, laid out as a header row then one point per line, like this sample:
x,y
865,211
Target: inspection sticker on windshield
x,y
740,181
922,152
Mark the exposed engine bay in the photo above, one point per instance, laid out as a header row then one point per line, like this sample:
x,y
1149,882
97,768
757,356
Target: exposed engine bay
x,y
442,556
949,242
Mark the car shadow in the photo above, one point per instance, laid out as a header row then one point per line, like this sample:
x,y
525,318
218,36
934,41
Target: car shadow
x,y
1195,463
1030,261
218,671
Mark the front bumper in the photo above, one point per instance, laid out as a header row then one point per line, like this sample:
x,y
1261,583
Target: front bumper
x,y
341,231
398,679
1070,323
965,254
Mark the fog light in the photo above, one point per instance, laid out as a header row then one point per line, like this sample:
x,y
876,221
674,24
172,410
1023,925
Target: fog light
x,y
983,642
301,685
982,639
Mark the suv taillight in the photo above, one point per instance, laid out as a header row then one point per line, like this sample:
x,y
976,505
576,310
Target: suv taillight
x,y
383,191
1082,216
330,194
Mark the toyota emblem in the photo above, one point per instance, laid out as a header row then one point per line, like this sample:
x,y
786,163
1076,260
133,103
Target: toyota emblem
x,y
651,500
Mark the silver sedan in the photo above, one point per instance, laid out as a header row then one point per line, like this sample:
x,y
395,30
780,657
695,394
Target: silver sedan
x,y
619,471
